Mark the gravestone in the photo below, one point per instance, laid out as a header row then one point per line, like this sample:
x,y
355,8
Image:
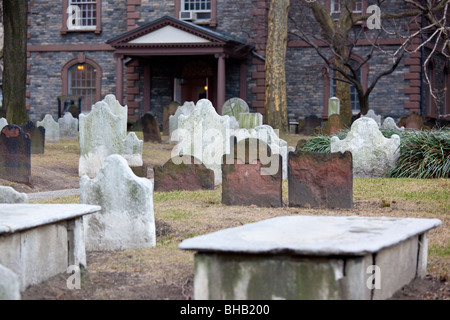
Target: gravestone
x,y
102,134
126,219
252,175
51,128
234,107
37,136
373,154
9,195
249,120
3,123
186,110
309,125
9,285
205,135
68,127
183,173
118,110
371,114
334,106
15,157
389,124
319,179
267,134
150,127
333,125
413,121
167,112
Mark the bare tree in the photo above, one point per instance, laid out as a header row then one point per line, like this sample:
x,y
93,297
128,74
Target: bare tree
x,y
275,94
15,60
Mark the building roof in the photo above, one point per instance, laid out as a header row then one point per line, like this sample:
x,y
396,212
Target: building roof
x,y
168,35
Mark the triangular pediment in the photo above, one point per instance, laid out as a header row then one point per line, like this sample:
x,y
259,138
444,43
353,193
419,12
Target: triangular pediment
x,y
169,34
168,30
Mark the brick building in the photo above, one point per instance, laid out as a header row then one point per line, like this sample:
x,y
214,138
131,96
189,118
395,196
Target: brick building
x,y
149,53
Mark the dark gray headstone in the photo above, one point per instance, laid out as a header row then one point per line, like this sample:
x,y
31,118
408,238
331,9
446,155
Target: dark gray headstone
x,y
15,157
37,136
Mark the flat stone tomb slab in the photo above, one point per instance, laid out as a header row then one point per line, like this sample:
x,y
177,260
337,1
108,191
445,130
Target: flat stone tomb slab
x,y
313,257
38,241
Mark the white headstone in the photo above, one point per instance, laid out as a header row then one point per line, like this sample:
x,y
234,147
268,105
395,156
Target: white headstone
x,y
126,219
3,123
102,134
333,106
9,284
389,124
68,126
371,114
9,195
267,134
51,128
205,135
118,110
249,120
234,107
186,110
373,154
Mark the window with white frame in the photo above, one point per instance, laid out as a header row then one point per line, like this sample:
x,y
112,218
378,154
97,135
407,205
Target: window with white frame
x,y
336,6
196,10
82,14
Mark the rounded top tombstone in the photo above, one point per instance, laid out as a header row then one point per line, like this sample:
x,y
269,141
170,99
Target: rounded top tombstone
x,y
234,107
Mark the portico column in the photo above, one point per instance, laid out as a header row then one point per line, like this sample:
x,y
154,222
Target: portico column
x,y
119,78
220,81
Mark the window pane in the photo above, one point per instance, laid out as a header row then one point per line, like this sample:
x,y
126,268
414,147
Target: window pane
x,y
82,78
197,5
87,11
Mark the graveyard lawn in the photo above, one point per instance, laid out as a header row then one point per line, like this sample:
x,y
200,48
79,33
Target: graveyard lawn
x,y
166,272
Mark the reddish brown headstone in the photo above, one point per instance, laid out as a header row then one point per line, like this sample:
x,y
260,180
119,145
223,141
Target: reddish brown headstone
x,y
249,180
333,125
15,157
183,173
150,128
320,179
167,112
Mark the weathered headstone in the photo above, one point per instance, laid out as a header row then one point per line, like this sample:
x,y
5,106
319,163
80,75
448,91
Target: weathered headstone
x,y
9,195
150,127
333,125
51,128
15,157
373,154
234,107
102,134
252,175
371,114
249,120
183,173
389,124
334,106
309,125
413,121
37,136
126,219
3,123
118,110
167,112
9,284
68,127
320,180
186,110
205,135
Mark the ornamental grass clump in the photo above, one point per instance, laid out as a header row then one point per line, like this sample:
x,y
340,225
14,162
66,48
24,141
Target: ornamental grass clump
x,y
423,154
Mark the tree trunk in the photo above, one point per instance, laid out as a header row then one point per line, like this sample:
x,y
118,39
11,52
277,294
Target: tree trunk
x,y
15,60
343,93
275,98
